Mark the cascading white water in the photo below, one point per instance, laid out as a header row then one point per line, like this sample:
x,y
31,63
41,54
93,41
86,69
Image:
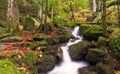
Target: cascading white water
x,y
68,66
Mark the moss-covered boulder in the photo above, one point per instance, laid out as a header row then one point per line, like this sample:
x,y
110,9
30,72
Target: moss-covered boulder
x,y
101,41
87,70
47,63
51,41
63,35
41,43
31,60
12,39
95,55
79,50
104,69
39,37
7,67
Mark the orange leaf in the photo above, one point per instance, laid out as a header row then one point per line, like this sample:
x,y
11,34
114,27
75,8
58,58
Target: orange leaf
x,y
21,27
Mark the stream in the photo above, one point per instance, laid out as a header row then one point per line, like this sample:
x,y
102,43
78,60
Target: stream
x,y
68,66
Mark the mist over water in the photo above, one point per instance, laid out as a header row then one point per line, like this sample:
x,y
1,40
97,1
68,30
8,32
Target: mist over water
x,y
68,66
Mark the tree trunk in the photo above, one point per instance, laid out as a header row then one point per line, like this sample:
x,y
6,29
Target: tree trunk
x,y
118,5
13,12
52,11
104,18
45,20
94,6
41,17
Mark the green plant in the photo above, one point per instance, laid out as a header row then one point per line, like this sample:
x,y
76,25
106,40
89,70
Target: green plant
x,y
115,47
7,67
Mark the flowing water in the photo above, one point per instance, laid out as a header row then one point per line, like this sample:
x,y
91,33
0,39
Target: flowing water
x,y
68,66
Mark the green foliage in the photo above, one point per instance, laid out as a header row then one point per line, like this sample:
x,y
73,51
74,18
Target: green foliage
x,y
92,30
59,21
71,24
31,60
115,47
28,23
7,67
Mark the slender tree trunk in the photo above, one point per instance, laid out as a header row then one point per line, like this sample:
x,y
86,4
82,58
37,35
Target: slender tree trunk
x,y
74,11
104,18
52,12
118,5
94,6
41,18
13,12
45,20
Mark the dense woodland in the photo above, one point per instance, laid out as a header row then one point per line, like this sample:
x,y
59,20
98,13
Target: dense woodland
x,y
32,31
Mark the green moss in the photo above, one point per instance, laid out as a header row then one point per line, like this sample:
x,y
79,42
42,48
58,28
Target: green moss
x,y
47,63
95,55
104,69
7,67
39,37
38,43
31,60
79,50
101,41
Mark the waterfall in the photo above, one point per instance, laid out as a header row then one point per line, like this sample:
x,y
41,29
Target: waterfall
x,y
68,66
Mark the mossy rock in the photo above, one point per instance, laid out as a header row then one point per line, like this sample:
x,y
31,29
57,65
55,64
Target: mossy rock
x,y
104,69
39,37
31,60
101,41
12,39
42,43
95,55
51,41
47,63
79,50
63,35
7,67
87,70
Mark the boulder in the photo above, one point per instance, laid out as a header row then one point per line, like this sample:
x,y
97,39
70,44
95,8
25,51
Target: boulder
x,y
87,70
12,39
101,41
95,55
79,50
47,63
104,68
64,35
59,55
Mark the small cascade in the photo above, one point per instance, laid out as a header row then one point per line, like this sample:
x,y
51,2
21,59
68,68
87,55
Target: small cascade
x,y
68,66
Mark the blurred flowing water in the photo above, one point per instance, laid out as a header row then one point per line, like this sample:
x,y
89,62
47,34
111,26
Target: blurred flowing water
x,y
68,66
